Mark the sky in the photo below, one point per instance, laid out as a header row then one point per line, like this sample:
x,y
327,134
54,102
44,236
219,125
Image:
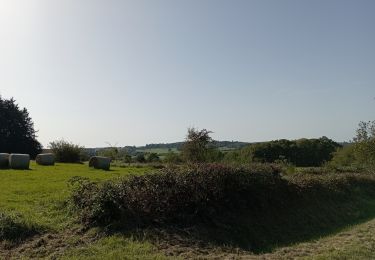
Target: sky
x,y
123,72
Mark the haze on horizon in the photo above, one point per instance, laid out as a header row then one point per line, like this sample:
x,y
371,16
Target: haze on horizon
x,y
137,72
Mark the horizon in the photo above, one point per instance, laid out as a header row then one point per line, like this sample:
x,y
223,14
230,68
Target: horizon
x,y
144,145
142,72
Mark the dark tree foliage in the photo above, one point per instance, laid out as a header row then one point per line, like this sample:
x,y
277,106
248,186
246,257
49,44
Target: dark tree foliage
x,y
140,158
196,146
303,152
153,157
17,134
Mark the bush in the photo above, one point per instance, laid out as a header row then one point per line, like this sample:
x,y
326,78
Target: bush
x,y
176,195
66,152
250,208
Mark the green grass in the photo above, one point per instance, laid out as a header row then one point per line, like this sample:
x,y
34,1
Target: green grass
x,y
313,231
355,242
115,247
39,194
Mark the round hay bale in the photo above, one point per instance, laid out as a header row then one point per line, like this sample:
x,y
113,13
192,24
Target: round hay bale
x,y
19,161
45,159
100,162
4,160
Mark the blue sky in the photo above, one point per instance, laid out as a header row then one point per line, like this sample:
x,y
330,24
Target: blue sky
x,y
137,72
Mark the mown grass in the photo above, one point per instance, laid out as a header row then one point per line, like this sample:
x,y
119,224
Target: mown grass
x,y
35,200
116,247
354,242
39,194
38,197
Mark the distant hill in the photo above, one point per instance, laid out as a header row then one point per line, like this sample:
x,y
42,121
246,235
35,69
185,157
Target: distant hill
x,y
178,145
164,148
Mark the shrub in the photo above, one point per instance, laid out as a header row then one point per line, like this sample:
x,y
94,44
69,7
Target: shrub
x,y
66,152
176,195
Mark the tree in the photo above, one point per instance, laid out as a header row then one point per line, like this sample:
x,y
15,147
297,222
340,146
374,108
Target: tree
x,y
361,152
127,159
66,152
364,144
302,152
111,152
17,134
140,158
196,145
344,157
153,157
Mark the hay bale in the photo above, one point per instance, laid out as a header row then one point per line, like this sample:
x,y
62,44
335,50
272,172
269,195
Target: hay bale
x,y
19,161
45,159
100,162
4,160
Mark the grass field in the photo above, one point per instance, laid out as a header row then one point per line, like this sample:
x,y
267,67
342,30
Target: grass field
x,y
39,197
39,194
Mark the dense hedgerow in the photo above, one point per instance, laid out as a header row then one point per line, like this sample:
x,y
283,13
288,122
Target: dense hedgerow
x,y
177,195
199,194
13,228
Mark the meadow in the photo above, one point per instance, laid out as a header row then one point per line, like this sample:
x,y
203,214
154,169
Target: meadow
x,y
319,226
39,197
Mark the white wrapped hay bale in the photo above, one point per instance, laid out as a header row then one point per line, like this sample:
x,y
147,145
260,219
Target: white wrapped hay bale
x,y
100,162
4,160
45,159
19,161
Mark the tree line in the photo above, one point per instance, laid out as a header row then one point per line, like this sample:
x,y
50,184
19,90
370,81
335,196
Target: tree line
x,y
17,135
